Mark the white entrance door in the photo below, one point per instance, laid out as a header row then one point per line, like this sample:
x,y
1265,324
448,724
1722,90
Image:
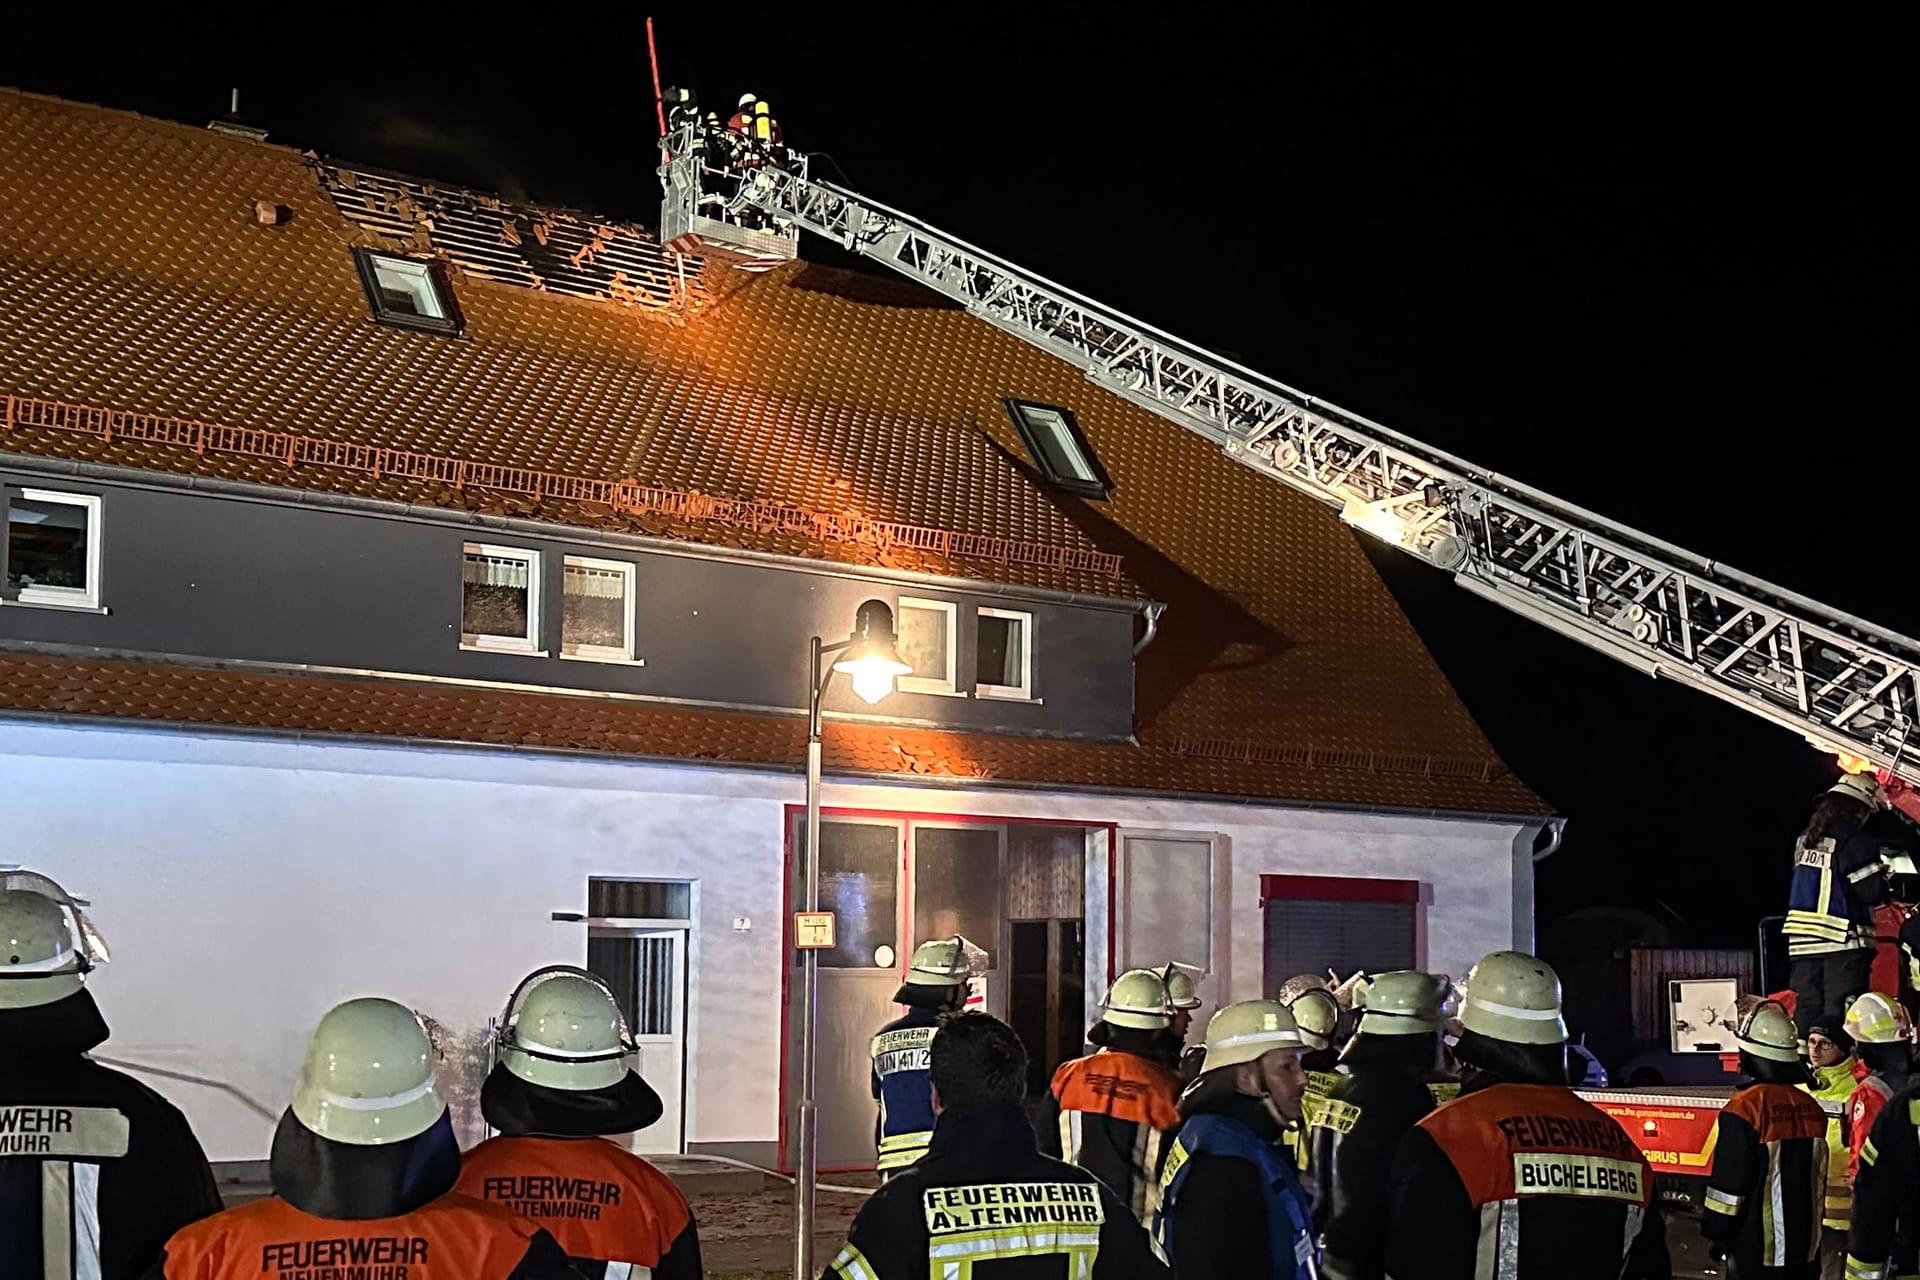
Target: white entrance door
x,y
647,969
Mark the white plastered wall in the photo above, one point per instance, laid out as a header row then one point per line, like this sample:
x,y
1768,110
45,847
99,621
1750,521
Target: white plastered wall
x,y
246,884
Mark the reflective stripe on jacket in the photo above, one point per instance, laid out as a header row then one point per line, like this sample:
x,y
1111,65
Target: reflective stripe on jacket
x,y
984,1203
1117,1112
1522,1182
1290,1249
1836,884
1764,1201
904,1089
1886,1195
1832,1087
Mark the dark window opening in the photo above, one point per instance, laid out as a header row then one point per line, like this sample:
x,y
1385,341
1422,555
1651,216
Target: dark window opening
x,y
410,293
49,547
1060,448
1316,923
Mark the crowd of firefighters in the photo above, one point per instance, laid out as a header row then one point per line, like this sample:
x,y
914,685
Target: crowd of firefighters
x,y
1395,1125
729,150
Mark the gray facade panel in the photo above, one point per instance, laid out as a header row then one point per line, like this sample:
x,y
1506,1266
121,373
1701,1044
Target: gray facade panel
x,y
219,577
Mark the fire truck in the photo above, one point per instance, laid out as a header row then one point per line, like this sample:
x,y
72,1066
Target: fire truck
x,y
1847,685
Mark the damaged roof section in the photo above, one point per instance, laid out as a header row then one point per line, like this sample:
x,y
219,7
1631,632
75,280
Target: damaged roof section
x,y
534,248
152,316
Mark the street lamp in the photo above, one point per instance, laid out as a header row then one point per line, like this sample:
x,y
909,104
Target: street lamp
x,y
867,657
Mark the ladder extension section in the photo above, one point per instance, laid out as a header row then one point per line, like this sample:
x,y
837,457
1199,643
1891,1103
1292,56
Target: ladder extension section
x,y
1843,683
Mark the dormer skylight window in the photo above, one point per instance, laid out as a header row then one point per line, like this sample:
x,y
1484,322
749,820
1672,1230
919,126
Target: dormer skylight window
x,y
1058,447
410,293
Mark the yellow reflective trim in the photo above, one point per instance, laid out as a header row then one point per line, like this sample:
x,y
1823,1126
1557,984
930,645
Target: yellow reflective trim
x,y
1011,1208
1176,1158
1444,1091
1336,1115
1869,1153
851,1264
1858,1270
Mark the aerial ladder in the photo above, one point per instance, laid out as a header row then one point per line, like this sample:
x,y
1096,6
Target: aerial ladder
x,y
1846,685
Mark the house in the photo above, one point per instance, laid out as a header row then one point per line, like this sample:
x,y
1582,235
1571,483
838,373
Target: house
x,y
405,588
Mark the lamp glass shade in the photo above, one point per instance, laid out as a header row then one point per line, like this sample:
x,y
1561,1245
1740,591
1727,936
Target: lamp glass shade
x,y
873,669
872,662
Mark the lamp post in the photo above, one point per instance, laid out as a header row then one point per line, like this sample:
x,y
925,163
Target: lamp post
x,y
869,658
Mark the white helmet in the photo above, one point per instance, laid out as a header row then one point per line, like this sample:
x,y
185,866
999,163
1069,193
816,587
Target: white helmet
x,y
1137,999
47,944
746,100
1767,1032
1247,1031
1181,993
942,962
368,1078
1402,1003
1514,997
1315,1012
1875,1018
1864,787
564,1029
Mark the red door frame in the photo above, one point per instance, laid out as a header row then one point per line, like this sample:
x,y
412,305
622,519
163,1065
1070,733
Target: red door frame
x,y
907,817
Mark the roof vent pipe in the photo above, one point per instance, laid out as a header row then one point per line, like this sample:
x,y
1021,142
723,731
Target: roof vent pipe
x,y
232,126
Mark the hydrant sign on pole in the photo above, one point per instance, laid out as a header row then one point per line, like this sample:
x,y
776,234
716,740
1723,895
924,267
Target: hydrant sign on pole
x,y
813,930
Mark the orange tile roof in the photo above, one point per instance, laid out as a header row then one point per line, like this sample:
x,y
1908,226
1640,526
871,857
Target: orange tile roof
x,y
137,692
135,278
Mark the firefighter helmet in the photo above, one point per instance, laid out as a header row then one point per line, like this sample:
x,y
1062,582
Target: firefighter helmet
x,y
940,963
1402,1003
47,944
746,101
368,1078
1879,1019
1137,999
1514,997
1767,1032
1864,787
1315,1012
1247,1031
1290,989
1180,989
563,1029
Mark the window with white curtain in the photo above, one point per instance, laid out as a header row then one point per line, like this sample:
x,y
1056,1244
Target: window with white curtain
x,y
596,609
500,599
925,630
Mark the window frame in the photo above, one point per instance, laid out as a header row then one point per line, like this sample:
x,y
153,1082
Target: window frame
x,y
1098,489
928,684
602,653
1022,692
529,645
453,325
83,599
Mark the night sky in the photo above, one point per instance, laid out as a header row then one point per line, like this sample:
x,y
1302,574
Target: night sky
x,y
1666,272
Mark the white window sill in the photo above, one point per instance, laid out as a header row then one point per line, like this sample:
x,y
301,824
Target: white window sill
x,y
932,693
506,649
65,606
605,662
997,695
